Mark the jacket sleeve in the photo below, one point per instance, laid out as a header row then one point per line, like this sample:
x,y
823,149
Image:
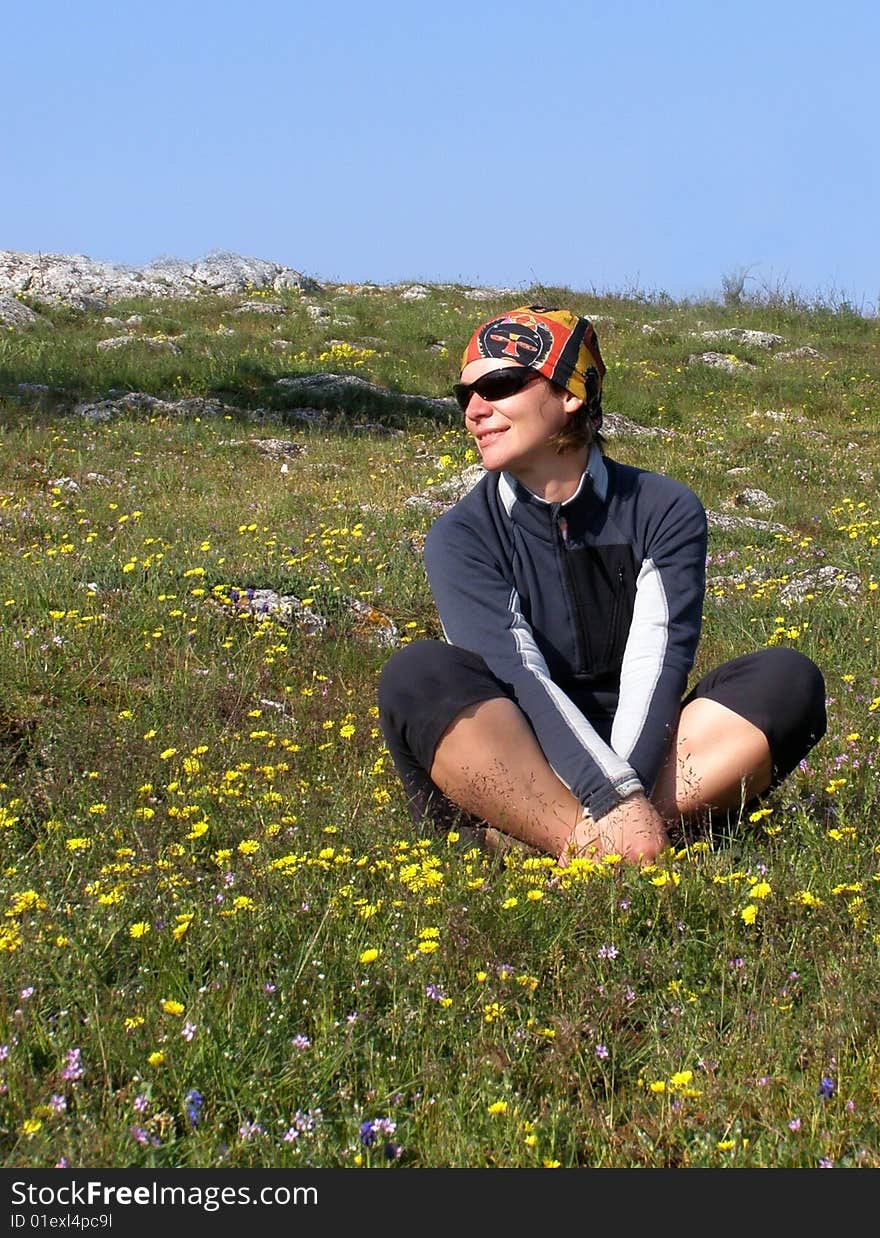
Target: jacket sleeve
x,y
479,610
662,641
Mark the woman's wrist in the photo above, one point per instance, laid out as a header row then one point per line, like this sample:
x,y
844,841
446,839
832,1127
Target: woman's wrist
x,y
629,788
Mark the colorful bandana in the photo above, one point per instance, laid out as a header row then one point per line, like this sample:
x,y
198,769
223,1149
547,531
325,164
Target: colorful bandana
x,y
556,342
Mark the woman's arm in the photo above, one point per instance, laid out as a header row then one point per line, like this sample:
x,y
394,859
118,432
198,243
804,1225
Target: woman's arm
x,y
479,610
664,632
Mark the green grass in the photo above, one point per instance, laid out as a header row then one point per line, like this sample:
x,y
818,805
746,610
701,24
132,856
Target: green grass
x,y
208,880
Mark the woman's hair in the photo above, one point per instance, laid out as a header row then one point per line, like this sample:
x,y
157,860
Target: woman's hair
x,y
582,429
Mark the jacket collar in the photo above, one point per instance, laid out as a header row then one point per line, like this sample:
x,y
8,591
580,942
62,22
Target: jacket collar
x,y
528,509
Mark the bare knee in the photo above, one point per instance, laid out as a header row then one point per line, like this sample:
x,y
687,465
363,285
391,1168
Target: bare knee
x,y
718,760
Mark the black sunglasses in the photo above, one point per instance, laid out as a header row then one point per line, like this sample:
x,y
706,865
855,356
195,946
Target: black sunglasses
x,y
495,385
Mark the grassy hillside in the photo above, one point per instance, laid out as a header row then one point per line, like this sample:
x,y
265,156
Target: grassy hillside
x,y
223,942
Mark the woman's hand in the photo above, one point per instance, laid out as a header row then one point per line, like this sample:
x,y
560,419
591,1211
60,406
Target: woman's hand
x,y
633,830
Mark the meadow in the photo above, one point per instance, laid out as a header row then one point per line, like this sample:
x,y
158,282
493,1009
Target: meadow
x,y
224,944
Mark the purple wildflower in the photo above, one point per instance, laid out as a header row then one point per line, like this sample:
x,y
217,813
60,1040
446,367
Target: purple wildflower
x,y
74,1068
303,1124
194,1103
372,1127
826,1087
301,1042
601,1052
306,1123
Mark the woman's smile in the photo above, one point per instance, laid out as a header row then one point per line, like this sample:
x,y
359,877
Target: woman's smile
x,y
489,436
515,433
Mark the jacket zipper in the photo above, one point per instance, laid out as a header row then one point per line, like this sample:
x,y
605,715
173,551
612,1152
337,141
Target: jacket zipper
x,y
615,615
579,627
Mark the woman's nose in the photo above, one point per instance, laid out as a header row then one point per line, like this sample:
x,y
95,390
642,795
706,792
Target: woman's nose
x,y
477,407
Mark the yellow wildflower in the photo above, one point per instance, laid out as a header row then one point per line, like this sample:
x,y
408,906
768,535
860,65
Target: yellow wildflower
x,y
806,898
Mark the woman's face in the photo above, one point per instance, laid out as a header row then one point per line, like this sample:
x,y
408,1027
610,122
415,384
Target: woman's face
x,y
514,433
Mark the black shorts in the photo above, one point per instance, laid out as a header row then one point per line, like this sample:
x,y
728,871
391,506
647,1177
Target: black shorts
x,y
424,686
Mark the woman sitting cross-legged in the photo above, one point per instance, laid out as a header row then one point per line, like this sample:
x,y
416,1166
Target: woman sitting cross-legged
x,y
570,590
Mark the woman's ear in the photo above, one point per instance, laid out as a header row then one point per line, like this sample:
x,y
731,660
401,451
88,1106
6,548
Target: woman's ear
x,y
571,403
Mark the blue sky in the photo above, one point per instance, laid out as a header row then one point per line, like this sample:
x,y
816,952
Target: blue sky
x,y
608,146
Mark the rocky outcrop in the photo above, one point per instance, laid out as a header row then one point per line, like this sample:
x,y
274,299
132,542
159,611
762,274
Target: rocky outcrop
x,y
14,314
720,361
327,390
742,335
720,520
82,283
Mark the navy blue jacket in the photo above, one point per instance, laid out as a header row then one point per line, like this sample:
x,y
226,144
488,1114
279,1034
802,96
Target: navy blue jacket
x,y
588,611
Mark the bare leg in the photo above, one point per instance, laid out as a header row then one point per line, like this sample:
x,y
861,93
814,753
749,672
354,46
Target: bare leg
x,y
719,760
489,763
